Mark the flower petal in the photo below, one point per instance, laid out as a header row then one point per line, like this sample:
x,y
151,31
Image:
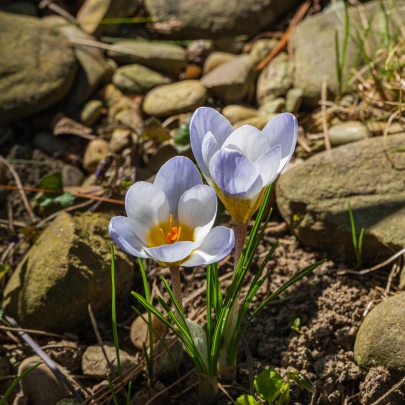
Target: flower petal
x,y
122,232
175,177
207,120
197,209
209,147
268,165
218,244
249,141
282,130
173,253
147,206
235,174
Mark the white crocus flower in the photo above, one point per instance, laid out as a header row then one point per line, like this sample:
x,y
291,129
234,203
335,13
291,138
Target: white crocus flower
x,y
171,220
240,163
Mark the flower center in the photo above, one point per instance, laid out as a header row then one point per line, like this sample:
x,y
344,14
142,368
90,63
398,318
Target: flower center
x,y
174,232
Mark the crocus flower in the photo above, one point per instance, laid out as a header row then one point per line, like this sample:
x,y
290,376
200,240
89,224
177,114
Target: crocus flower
x,y
240,163
171,220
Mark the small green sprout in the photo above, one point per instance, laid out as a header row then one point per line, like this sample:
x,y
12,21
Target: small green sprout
x,y
357,243
296,325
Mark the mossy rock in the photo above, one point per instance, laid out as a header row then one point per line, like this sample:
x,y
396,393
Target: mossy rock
x,y
313,197
37,66
67,269
381,337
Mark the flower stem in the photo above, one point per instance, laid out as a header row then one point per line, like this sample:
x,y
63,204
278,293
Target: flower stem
x,y
240,239
207,389
176,285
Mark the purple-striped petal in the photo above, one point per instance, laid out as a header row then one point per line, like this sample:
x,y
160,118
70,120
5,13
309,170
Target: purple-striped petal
x,y
268,165
217,245
122,231
207,120
209,148
175,177
282,130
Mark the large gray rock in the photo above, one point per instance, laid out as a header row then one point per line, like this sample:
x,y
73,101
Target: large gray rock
x,y
314,44
93,67
163,57
67,269
214,18
381,337
37,66
230,81
313,197
175,98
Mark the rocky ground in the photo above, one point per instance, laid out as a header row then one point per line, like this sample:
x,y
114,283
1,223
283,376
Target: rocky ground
x,y
95,95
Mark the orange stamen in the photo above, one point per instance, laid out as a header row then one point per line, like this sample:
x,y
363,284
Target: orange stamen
x,y
174,233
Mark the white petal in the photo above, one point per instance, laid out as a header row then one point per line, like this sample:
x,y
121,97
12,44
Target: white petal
x,y
207,120
199,338
282,130
175,177
235,174
217,245
249,141
209,147
197,209
147,206
268,165
122,232
173,253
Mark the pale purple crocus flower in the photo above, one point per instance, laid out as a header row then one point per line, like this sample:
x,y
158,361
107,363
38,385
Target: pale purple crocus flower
x,y
171,220
239,164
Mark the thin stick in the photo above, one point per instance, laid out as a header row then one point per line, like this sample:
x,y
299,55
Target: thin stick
x,y
98,336
299,15
324,115
55,370
396,386
19,185
58,10
32,332
221,387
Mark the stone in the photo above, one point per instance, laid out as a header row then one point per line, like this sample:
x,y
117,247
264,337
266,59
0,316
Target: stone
x,y
293,100
93,67
259,122
96,151
313,42
261,48
163,366
50,144
162,57
37,78
33,384
140,332
66,269
214,18
270,107
93,12
216,59
199,50
72,176
121,138
95,363
230,81
275,79
235,113
313,198
175,98
381,338
91,112
347,132
66,353
137,79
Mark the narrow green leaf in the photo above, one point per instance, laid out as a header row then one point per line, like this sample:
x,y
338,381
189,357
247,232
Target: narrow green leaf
x,y
112,390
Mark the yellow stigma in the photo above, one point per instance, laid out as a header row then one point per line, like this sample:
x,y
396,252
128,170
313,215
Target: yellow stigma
x,y
166,233
174,233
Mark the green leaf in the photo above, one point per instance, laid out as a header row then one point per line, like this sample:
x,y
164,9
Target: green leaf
x,y
246,400
52,181
285,395
65,200
45,202
4,268
302,380
296,324
269,384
